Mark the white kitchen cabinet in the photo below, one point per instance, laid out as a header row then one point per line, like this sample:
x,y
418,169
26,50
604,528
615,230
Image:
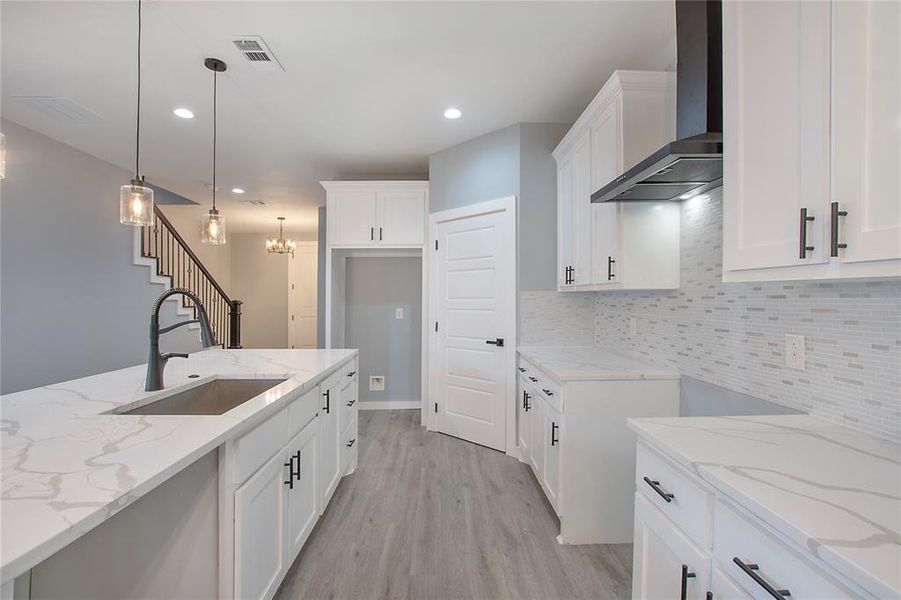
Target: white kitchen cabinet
x,y
666,564
609,246
574,438
260,540
724,588
329,468
302,499
361,214
808,88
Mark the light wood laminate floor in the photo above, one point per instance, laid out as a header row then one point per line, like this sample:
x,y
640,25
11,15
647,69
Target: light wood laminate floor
x,y
428,516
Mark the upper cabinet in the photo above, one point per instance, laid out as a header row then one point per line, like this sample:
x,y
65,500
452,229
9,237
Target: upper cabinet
x,y
812,151
610,246
376,213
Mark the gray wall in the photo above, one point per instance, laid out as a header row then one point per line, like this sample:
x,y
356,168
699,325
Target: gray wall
x,y
72,303
260,280
375,287
481,169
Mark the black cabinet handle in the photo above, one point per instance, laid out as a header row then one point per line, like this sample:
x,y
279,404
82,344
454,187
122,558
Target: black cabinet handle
x,y
372,234
290,482
803,248
547,391
297,458
499,342
554,439
836,213
521,370
351,403
351,442
380,234
610,262
525,401
328,401
655,485
686,575
352,373
533,379
751,570
709,596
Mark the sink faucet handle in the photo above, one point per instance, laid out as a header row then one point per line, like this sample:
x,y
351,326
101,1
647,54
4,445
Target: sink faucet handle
x,y
169,355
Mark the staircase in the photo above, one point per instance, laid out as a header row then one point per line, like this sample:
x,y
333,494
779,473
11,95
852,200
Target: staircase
x,y
174,264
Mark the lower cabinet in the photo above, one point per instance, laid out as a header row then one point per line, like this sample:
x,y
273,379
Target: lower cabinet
x,y
523,416
277,479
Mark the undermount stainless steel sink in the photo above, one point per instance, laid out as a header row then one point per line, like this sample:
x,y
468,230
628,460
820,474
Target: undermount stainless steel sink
x,y
212,398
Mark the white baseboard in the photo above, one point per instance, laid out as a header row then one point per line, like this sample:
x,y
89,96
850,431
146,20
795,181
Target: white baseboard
x,y
388,404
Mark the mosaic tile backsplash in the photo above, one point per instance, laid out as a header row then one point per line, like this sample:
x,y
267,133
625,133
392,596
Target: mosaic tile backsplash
x,y
555,319
733,334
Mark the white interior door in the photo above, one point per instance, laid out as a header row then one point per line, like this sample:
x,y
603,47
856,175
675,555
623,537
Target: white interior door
x,y
474,305
302,290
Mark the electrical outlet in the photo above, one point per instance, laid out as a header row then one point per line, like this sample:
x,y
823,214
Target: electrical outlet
x,y
377,383
398,313
794,352
633,326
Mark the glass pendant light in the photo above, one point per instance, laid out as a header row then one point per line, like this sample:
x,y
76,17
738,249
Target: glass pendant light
x,y
136,198
280,245
213,231
2,155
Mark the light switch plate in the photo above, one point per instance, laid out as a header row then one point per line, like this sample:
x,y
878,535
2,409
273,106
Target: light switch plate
x,y
398,313
794,352
377,383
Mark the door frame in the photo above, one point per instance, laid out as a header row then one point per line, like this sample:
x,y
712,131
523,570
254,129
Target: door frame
x,y
507,206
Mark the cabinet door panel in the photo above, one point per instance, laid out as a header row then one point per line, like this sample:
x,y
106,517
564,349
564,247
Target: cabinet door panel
x,y
539,442
659,554
328,443
260,532
522,423
564,220
581,230
302,504
551,479
776,124
352,222
866,116
401,217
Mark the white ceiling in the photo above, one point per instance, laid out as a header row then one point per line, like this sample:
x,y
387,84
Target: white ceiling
x,y
362,95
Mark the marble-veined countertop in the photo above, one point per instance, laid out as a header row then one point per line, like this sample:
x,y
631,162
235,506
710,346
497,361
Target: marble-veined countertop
x,y
832,490
67,466
587,363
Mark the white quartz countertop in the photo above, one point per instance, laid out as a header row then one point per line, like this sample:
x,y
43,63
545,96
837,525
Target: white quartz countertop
x,y
587,363
67,466
832,490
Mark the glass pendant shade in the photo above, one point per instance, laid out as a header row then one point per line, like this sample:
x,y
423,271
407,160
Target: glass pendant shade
x,y
213,231
136,204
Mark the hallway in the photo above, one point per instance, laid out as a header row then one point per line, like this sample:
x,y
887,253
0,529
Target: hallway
x,y
428,516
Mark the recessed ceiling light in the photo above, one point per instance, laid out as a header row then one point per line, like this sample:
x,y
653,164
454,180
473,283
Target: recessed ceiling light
x,y
237,191
453,113
183,113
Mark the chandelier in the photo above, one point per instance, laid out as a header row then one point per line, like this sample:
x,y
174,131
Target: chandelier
x,y
280,245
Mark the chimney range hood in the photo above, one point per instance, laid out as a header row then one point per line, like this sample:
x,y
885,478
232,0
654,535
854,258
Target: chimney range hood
x,y
693,164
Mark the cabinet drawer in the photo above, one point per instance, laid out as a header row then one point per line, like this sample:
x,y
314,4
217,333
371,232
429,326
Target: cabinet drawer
x,y
675,493
724,588
551,392
256,446
348,441
348,408
768,561
349,372
303,410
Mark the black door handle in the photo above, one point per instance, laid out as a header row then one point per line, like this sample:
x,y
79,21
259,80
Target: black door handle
x,y
686,575
328,401
499,342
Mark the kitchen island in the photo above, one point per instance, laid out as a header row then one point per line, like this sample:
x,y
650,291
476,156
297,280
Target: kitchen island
x,y
70,463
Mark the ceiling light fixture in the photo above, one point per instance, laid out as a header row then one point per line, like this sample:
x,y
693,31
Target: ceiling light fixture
x,y
280,245
136,198
2,155
452,113
213,230
183,113
237,191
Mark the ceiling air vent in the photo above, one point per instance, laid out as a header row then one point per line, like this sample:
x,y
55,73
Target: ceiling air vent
x,y
257,53
59,109
254,202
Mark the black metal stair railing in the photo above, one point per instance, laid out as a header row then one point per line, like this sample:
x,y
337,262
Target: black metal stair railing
x,y
175,259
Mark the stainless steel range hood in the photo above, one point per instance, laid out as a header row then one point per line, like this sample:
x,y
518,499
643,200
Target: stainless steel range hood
x,y
693,164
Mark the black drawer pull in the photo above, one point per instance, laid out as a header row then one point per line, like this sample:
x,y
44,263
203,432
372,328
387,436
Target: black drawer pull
x,y
686,575
297,458
352,373
328,401
655,485
290,465
525,401
351,442
554,439
521,370
751,570
610,262
351,403
547,391
533,379
499,342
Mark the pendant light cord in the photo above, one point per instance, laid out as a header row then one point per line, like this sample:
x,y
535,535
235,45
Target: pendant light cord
x,y
215,88
138,116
